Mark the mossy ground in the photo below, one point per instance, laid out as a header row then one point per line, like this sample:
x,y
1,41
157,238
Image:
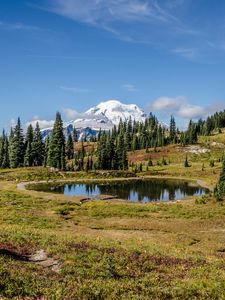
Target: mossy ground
x,y
113,249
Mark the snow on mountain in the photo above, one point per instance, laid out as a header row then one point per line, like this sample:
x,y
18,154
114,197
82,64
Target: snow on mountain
x,y
114,110
101,117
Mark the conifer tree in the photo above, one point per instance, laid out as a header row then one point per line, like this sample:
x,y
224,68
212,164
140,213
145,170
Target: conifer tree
x,y
37,147
219,191
17,146
69,147
56,153
150,163
75,135
186,164
172,130
28,157
87,168
46,149
4,151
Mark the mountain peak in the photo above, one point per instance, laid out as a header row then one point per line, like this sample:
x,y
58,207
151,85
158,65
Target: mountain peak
x,y
114,110
103,116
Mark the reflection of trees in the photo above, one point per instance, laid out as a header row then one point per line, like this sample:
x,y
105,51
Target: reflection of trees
x,y
151,190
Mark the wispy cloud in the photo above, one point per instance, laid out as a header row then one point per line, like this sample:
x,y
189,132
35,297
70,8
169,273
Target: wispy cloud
x,y
163,24
189,53
101,12
134,21
130,87
107,14
18,27
178,106
75,89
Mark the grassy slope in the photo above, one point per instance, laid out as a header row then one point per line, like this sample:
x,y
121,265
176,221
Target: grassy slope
x,y
115,250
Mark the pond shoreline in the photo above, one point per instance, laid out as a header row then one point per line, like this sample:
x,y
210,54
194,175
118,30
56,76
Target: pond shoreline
x,y
23,185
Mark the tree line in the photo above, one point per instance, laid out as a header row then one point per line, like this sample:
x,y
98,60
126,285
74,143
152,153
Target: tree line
x,y
111,152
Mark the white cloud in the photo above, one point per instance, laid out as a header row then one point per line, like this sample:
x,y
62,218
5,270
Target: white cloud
x,y
178,106
167,103
189,111
74,89
42,123
130,88
101,12
13,122
71,113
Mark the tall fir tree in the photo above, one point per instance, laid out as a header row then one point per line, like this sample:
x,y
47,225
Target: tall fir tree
x,y
75,135
37,147
219,191
69,147
172,130
17,146
28,157
4,151
56,153
46,149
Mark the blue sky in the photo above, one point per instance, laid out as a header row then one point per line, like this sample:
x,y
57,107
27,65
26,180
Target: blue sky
x,y
167,56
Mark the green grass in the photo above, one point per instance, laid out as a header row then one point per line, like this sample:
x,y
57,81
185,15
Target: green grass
x,y
112,249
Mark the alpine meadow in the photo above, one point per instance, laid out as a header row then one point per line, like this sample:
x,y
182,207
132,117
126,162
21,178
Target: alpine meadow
x,y
112,199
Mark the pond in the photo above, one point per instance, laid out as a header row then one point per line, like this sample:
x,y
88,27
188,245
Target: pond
x,y
133,190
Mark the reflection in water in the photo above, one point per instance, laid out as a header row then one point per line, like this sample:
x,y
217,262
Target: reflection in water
x,y
135,190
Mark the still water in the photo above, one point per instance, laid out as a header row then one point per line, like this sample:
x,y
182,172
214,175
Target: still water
x,y
134,190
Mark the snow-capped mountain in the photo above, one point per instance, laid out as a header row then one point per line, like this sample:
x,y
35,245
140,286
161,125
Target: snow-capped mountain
x,y
101,117
114,110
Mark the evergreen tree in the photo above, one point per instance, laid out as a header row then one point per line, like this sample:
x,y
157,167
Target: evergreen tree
x,y
4,151
150,163
17,146
46,149
75,135
37,147
87,168
56,153
186,164
172,130
69,147
28,157
219,191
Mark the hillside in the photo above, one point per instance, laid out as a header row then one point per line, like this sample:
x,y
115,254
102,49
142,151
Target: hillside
x,y
114,249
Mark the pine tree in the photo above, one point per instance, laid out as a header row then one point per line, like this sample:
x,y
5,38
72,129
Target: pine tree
x,y
164,163
172,130
46,149
75,135
87,168
186,164
69,147
37,147
150,163
5,162
28,157
56,153
219,191
4,151
17,146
